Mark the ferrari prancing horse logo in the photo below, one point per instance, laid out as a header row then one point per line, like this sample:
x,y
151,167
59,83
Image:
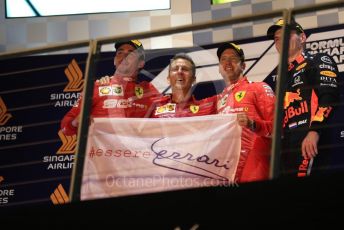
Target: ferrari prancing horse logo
x,y
138,91
194,108
239,95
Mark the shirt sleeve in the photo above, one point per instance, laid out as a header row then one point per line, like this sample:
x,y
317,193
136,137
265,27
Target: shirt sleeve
x,y
209,104
66,123
325,95
154,96
212,100
265,107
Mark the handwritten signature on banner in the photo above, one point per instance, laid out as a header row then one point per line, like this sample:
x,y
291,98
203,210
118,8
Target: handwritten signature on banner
x,y
185,162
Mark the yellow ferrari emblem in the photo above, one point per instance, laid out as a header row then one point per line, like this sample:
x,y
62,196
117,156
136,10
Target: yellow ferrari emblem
x,y
239,95
194,108
138,91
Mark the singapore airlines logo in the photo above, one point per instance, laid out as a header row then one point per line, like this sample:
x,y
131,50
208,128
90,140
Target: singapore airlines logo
x,y
75,77
5,194
4,116
59,196
68,144
64,158
71,92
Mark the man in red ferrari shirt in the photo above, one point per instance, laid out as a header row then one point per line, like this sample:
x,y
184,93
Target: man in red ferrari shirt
x,y
123,96
254,104
181,103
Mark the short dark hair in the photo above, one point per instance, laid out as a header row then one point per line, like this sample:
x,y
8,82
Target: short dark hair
x,y
185,57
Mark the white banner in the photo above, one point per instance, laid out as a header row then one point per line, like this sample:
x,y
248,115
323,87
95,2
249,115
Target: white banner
x,y
134,155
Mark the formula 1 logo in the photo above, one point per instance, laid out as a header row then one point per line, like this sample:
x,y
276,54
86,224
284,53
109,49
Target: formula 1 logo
x,y
68,144
75,77
4,116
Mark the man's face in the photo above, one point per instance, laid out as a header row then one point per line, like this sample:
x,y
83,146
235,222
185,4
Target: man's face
x,y
296,42
230,66
181,75
127,60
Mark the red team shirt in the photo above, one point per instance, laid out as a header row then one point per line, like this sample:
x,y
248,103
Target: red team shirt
x,y
130,99
121,98
257,100
166,108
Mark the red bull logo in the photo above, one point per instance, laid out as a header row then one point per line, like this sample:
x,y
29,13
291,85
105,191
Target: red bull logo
x,y
322,113
291,97
292,112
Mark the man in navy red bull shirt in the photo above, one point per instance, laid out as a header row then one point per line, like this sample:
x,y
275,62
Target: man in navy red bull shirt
x,y
310,97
